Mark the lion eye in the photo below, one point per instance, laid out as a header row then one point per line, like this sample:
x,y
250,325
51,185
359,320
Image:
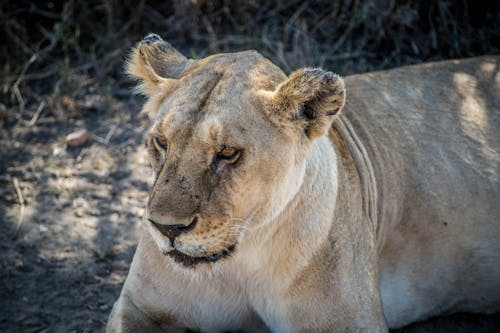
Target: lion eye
x,y
228,153
160,144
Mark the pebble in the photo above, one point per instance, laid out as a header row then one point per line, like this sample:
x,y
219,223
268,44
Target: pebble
x,y
78,138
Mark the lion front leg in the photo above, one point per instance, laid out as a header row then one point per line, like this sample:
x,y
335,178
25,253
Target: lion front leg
x,y
127,317
338,293
344,316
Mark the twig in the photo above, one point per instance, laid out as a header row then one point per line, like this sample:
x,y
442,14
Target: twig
x,y
37,114
15,86
35,76
293,18
211,33
20,196
56,68
16,39
79,158
32,59
349,55
98,139
22,204
41,12
19,98
110,134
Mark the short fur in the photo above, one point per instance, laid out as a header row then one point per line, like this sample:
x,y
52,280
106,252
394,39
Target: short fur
x,y
380,215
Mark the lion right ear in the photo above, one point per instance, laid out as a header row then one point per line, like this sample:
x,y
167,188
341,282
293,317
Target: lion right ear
x,y
156,63
307,101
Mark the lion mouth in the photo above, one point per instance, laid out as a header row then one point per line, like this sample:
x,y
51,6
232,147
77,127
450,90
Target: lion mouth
x,y
190,261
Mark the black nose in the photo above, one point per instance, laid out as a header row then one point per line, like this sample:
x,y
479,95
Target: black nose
x,y
174,230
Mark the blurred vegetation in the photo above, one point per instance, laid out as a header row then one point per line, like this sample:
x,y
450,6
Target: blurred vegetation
x,y
51,47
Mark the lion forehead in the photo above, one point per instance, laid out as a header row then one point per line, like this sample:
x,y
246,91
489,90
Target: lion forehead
x,y
219,79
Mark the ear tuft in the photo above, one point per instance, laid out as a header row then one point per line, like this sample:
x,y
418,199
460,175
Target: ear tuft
x,y
155,63
310,97
151,38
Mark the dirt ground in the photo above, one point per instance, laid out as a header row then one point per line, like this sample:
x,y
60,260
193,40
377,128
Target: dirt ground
x,y
63,262
65,252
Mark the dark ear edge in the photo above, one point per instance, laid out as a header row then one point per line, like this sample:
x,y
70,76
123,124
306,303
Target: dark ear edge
x,y
310,97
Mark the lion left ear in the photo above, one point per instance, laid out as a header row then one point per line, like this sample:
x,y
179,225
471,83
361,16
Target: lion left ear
x,y
309,98
156,64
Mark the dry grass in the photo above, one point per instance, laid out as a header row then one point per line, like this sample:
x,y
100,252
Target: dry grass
x,y
50,41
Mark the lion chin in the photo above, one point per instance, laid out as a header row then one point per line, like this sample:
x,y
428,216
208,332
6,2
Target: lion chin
x,y
190,261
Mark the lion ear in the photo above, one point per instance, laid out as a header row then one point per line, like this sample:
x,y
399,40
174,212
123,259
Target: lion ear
x,y
310,98
155,63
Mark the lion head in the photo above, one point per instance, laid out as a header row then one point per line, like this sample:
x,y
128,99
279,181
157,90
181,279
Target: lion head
x,y
228,143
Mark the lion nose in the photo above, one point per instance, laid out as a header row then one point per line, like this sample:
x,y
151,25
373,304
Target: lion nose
x,y
174,230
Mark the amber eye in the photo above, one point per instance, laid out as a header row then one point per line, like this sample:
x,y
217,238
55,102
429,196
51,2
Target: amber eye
x,y
228,153
160,145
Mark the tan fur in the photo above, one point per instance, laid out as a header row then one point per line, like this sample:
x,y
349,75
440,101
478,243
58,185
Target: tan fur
x,y
347,222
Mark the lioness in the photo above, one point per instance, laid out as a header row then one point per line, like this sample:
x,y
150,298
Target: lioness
x,y
273,211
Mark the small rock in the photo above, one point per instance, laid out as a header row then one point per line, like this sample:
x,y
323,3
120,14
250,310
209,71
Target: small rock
x,y
78,212
95,102
103,307
58,149
78,138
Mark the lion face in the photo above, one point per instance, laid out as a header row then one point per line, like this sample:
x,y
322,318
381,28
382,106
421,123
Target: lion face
x,y
228,144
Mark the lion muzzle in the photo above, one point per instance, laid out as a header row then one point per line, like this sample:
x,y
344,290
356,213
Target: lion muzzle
x,y
173,230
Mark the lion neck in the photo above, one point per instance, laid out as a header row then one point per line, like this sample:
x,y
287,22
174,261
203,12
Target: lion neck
x,y
288,241
337,194
357,166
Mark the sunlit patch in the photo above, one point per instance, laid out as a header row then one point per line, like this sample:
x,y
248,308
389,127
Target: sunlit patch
x,y
488,67
473,110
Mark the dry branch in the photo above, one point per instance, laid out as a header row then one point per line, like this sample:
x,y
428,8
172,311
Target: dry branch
x,y
39,110
22,204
